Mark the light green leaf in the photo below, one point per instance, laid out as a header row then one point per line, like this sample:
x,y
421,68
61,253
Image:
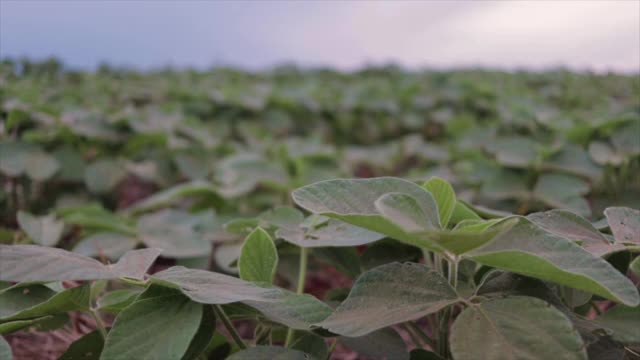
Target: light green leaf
x,y
21,303
115,301
529,250
258,258
195,189
39,263
354,202
462,212
156,327
445,197
43,230
97,218
13,326
394,293
515,328
624,223
635,266
269,353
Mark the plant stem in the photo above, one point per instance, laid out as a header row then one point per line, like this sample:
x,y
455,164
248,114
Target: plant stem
x,y
421,334
332,348
302,275
99,323
452,272
229,326
414,337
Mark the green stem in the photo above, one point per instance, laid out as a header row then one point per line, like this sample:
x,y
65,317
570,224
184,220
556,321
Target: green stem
x,y
332,348
452,272
302,275
99,323
229,326
414,337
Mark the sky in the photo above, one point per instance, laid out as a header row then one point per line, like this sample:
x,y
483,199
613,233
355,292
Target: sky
x,y
581,35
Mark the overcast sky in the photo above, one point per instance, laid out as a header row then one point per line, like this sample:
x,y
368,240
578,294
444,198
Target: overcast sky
x,y
596,35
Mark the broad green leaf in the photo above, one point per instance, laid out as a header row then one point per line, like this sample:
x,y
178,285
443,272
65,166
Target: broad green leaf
x,y
624,322
293,310
269,353
462,212
568,225
195,189
240,174
563,191
72,164
175,232
445,197
5,349
394,293
354,202
404,211
19,303
259,258
514,151
320,231
529,250
283,217
88,347
39,263
116,300
387,251
103,175
108,244
521,328
43,230
203,335
156,327
311,344
381,344
624,223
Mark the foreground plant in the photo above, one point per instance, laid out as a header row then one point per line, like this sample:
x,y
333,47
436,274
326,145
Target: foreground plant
x,y
486,286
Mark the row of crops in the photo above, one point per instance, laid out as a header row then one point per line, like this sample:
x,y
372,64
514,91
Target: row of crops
x,y
231,175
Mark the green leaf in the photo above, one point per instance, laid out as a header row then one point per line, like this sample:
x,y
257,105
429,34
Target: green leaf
x,y
115,301
515,328
380,344
293,310
43,230
175,232
445,197
462,212
568,225
39,263
193,189
311,344
635,266
21,303
259,258
203,335
394,293
13,326
269,353
563,191
319,231
157,327
5,350
103,175
354,202
529,250
624,223
107,244
88,347
344,259
623,321
97,218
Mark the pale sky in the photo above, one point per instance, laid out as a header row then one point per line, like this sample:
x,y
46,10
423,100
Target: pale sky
x,y
582,35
